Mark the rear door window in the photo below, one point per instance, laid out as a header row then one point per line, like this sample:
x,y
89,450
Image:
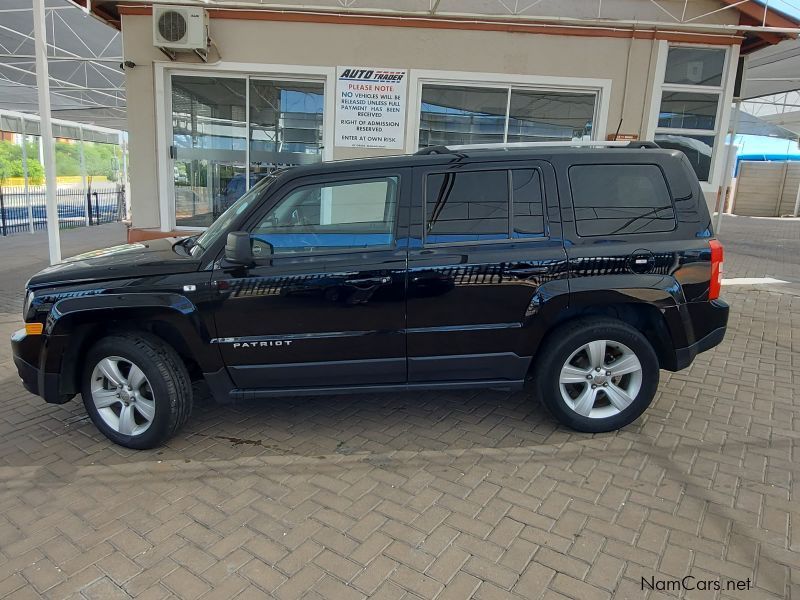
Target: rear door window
x,y
476,206
528,203
620,200
466,207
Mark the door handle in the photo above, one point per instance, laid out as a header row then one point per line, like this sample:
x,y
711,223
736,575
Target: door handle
x,y
369,281
528,271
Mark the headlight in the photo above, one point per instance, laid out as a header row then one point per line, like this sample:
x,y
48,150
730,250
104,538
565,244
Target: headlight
x,y
27,313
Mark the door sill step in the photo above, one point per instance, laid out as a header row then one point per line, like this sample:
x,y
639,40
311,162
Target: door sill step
x,y
496,384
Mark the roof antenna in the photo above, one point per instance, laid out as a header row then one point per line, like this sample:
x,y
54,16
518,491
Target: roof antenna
x,y
616,133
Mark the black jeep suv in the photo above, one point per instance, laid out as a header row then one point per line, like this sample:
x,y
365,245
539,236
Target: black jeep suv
x,y
583,270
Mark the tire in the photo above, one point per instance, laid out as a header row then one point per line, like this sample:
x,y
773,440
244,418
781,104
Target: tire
x,y
153,402
568,368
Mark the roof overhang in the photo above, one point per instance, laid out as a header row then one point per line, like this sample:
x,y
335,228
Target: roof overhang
x,y
773,70
746,22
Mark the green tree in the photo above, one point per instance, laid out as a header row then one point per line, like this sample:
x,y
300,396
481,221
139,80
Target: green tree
x,y
11,164
68,159
100,159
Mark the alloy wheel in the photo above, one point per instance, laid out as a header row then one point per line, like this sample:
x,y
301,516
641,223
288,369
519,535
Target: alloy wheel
x,y
122,395
600,379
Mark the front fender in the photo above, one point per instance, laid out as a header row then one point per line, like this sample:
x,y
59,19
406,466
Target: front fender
x,y
71,319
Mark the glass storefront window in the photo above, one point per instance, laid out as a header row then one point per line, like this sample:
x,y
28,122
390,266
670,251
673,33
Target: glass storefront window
x,y
462,115
686,110
214,129
550,116
695,66
688,117
452,114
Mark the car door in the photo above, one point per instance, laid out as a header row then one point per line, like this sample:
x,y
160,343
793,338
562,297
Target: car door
x,y
324,303
485,254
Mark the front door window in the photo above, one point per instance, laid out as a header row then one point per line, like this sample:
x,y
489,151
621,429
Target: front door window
x,y
331,216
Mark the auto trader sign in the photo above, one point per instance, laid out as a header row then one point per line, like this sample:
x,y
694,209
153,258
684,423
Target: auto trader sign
x,y
370,107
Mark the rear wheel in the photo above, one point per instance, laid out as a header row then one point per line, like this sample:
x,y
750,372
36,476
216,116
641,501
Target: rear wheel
x,y
136,390
597,375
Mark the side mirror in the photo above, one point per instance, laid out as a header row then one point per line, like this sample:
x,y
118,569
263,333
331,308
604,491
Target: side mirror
x,y
238,249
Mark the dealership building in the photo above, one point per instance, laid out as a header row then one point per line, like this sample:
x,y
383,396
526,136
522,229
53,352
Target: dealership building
x,y
221,93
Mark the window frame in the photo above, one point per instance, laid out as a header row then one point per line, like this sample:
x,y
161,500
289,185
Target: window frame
x,y
723,92
601,88
545,236
321,181
621,164
509,90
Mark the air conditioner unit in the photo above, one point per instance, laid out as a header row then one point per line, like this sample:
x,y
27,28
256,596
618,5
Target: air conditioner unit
x,y
180,29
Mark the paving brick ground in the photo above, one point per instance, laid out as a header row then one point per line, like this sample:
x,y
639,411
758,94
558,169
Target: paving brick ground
x,y
437,495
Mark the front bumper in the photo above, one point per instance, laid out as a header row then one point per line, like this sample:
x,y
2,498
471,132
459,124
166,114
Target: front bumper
x,y
28,351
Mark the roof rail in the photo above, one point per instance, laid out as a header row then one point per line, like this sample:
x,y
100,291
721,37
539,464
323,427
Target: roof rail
x,y
515,145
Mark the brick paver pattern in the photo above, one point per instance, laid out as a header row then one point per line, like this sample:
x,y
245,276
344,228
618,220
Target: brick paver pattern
x,y
433,495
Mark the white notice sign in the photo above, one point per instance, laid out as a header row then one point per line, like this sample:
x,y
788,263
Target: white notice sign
x,y
370,107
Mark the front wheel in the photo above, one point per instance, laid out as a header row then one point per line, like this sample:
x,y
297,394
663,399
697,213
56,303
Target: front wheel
x,y
136,390
597,375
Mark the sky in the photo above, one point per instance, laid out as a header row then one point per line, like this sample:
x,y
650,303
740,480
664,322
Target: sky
x,y
790,7
757,144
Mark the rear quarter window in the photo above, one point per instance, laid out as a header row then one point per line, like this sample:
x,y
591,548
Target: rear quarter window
x,y
620,200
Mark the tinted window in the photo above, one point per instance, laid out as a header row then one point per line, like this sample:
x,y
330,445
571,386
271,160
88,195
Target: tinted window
x,y
695,66
528,214
620,199
349,214
464,207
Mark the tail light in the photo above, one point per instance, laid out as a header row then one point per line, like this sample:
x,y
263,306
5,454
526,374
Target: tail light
x,y
717,255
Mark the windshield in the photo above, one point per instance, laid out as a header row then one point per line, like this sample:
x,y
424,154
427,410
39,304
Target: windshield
x,y
220,226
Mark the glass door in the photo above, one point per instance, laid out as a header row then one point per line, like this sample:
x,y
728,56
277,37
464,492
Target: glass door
x,y
209,146
285,124
223,124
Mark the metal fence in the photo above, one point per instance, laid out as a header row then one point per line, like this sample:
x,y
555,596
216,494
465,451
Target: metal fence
x,y
77,207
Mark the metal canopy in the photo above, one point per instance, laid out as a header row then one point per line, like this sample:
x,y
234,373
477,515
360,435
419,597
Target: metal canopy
x,y
750,124
773,70
84,54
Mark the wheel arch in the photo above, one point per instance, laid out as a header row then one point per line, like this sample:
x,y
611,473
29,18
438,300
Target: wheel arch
x,y
76,331
649,320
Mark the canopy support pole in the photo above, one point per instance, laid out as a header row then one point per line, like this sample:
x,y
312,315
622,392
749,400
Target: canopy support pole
x,y
84,187
25,175
49,150
123,146
727,176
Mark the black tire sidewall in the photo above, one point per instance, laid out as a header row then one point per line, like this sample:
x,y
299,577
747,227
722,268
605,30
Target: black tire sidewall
x,y
165,401
560,347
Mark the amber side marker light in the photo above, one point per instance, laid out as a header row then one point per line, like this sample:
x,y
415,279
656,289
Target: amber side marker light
x,y
34,328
